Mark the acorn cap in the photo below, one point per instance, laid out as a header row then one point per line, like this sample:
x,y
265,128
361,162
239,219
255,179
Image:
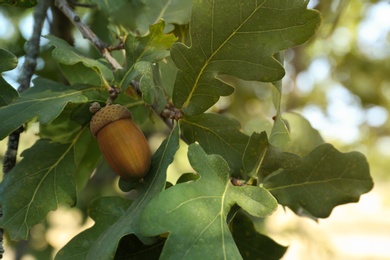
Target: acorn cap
x,y
107,115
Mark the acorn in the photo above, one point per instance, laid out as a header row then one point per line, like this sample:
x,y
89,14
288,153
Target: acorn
x,y
121,142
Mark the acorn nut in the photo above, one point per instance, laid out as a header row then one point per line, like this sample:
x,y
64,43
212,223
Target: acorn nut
x,y
121,142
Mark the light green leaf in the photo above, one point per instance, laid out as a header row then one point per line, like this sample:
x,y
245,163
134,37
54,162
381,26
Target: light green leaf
x,y
44,179
151,86
253,245
217,134
304,138
168,74
280,135
67,55
325,179
103,240
45,100
242,46
8,61
150,48
195,213
138,15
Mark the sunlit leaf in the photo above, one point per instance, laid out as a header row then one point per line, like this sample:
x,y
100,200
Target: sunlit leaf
x,y
195,213
45,100
325,179
304,138
242,46
217,134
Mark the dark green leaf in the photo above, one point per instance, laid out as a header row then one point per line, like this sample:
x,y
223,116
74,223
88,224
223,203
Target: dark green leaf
x,y
242,45
217,134
150,48
254,153
68,55
105,211
253,245
130,247
45,100
325,179
187,177
8,61
20,3
195,213
138,15
62,129
44,179
102,244
86,156
277,160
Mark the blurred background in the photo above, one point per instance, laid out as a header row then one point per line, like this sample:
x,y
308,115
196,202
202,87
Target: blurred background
x,y
339,81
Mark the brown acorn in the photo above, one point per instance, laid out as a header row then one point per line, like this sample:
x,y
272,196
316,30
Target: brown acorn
x,y
121,142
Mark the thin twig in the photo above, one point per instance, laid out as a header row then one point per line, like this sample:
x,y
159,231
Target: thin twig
x,y
87,33
28,70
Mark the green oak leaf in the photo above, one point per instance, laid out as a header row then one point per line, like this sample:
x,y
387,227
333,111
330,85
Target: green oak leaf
x,y
304,138
102,245
151,86
20,3
241,46
217,134
168,74
104,211
45,100
138,15
8,61
130,247
251,244
325,179
150,48
254,153
44,179
91,71
261,158
195,213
